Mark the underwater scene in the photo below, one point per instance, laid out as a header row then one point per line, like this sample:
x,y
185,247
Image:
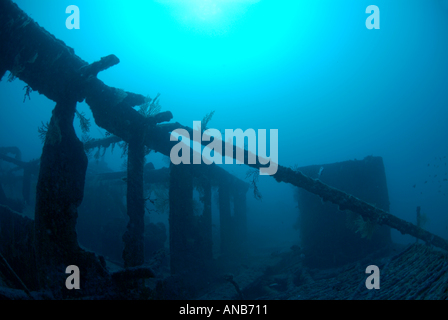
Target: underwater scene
x,y
236,150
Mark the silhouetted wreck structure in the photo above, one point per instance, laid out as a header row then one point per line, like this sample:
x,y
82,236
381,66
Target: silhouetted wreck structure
x,y
35,254
331,239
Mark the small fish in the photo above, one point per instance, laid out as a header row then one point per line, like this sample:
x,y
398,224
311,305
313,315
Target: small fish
x,y
428,164
445,179
426,181
414,186
435,176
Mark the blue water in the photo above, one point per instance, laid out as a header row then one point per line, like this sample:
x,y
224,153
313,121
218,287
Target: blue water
x,y
335,90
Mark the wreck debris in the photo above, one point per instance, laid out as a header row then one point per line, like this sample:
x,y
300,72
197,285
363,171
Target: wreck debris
x,y
93,69
17,247
349,202
133,273
229,278
348,235
29,168
12,150
101,143
9,273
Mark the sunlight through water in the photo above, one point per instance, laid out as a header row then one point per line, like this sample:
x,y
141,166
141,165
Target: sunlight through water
x,y
214,16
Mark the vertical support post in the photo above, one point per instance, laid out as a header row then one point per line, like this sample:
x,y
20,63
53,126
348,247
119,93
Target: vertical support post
x,y
239,201
60,187
181,217
133,238
225,218
59,192
207,219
